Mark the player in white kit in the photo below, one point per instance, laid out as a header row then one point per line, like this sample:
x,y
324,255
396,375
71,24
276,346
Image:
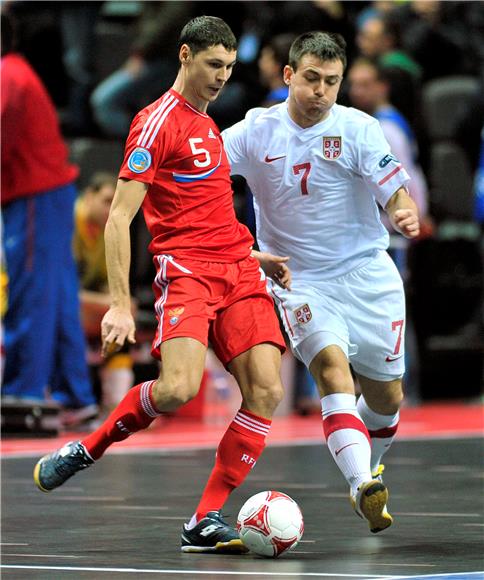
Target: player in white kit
x,y
317,171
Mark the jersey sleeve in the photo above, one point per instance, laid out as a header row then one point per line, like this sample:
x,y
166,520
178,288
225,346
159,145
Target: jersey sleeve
x,y
379,168
144,152
235,144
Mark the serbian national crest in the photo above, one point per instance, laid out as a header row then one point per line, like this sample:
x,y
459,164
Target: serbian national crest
x,y
331,147
303,314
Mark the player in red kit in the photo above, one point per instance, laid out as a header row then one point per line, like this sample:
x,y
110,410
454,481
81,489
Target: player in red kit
x,y
208,285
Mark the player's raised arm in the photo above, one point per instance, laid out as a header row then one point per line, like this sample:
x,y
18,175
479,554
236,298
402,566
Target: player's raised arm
x,y
403,213
118,324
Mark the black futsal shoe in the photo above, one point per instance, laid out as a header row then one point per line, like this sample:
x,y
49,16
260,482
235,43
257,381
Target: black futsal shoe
x,y
56,468
212,534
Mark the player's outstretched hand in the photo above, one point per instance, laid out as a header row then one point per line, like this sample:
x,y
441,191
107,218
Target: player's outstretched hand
x,y
407,223
117,326
276,268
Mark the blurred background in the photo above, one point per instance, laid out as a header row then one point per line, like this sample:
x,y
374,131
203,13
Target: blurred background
x,y
417,66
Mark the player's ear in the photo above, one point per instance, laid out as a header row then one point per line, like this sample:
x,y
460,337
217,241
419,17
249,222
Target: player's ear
x,y
287,74
185,54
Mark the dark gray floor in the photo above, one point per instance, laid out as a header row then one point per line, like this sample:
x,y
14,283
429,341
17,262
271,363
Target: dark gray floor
x,y
121,519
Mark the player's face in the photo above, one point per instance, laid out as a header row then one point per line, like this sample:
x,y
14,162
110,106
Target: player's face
x,y
206,73
364,87
99,203
313,88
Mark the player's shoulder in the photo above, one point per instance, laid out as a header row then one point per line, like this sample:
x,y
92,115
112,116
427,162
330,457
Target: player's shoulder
x,y
351,117
261,116
160,113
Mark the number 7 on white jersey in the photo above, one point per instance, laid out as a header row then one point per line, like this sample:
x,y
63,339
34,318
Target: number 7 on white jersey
x,y
306,168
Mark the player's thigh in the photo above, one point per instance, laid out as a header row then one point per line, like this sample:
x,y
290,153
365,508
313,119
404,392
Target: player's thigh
x,y
182,304
182,366
331,371
383,397
244,324
377,320
257,372
313,319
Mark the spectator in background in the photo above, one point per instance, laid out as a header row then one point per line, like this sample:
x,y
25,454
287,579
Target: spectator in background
x,y
272,60
44,342
380,39
78,31
369,91
149,70
437,36
91,214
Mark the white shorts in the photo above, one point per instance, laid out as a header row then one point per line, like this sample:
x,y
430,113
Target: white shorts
x,y
362,312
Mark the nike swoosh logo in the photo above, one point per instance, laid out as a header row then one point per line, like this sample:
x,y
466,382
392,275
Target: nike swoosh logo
x,y
271,159
392,358
340,450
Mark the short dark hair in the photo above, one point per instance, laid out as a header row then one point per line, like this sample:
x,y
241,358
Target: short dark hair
x,y
324,45
203,32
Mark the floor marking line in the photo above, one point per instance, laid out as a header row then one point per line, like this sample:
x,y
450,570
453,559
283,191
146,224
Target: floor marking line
x,y
448,575
436,515
14,544
43,556
194,572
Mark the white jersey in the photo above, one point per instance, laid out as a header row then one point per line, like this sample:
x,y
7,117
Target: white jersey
x,y
315,189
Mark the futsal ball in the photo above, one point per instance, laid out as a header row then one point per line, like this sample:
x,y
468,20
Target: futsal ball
x,y
269,523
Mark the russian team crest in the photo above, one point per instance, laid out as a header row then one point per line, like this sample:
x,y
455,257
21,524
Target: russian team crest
x,y
175,314
303,314
331,147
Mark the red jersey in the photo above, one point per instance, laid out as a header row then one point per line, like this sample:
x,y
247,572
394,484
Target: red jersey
x,y
34,155
178,151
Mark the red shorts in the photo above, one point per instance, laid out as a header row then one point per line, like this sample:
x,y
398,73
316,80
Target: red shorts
x,y
226,304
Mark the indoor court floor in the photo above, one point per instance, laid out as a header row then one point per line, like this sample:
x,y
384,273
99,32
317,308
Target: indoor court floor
x,y
122,518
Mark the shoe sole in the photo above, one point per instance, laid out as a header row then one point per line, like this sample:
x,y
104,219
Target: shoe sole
x,y
373,500
232,547
37,476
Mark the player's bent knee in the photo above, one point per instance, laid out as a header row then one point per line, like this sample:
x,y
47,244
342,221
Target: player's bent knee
x,y
170,395
333,379
265,397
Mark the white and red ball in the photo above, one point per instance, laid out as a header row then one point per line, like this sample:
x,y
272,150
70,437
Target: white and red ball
x,y
269,523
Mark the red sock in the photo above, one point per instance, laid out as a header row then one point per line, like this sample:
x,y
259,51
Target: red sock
x,y
135,412
237,453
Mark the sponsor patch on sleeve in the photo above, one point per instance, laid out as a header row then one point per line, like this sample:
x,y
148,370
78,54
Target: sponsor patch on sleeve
x,y
386,160
139,160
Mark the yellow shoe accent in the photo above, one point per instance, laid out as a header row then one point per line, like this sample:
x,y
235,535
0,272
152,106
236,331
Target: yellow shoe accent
x,y
378,473
230,547
370,503
36,476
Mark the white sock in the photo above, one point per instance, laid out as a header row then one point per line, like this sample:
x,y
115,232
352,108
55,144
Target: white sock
x,y
382,430
347,438
192,523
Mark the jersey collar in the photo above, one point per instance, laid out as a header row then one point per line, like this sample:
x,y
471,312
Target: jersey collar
x,y
310,132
